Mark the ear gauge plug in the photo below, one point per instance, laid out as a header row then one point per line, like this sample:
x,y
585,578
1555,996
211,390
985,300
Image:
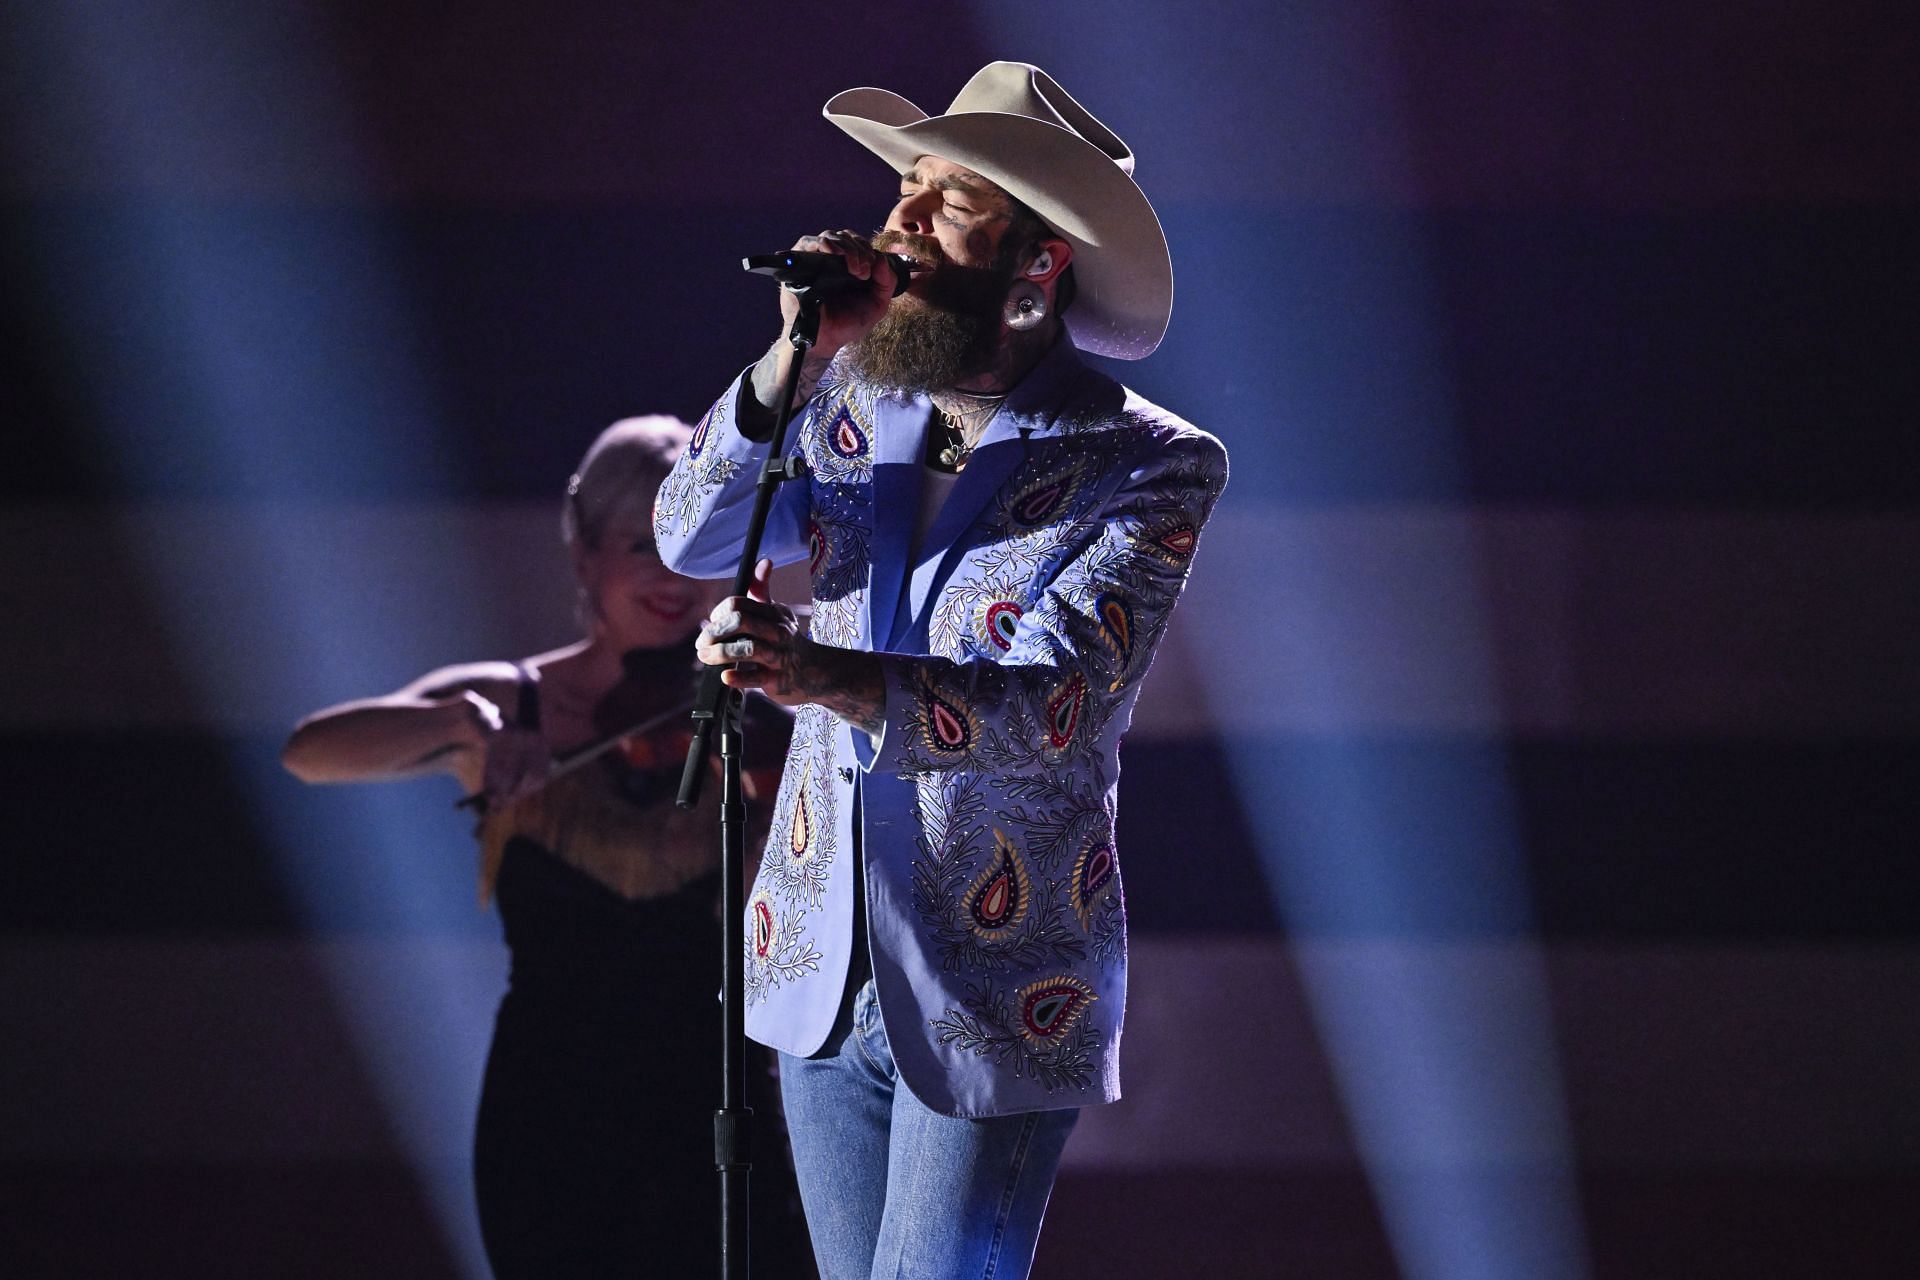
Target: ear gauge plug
x,y
1026,307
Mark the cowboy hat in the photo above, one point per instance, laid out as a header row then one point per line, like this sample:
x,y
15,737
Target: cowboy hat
x,y
1014,126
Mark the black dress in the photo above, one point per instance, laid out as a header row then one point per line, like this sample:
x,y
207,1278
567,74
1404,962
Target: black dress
x,y
593,1152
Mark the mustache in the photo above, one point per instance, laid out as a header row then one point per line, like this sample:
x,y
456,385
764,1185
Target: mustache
x,y
923,249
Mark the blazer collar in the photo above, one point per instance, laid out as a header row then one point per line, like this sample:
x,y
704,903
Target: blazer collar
x,y
1037,401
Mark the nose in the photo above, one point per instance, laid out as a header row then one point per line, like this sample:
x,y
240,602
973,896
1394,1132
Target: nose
x,y
914,213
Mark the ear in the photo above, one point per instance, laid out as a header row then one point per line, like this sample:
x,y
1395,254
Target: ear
x,y
1050,258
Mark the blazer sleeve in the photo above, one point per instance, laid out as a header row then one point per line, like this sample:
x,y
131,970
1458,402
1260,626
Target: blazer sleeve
x,y
702,510
1064,689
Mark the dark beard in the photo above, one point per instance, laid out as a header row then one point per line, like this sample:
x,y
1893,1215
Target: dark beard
x,y
936,342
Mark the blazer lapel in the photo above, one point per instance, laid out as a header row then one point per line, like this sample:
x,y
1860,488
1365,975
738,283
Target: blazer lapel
x,y
994,459
1030,413
900,427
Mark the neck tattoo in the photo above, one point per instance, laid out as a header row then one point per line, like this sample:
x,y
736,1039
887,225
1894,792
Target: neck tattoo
x,y
960,418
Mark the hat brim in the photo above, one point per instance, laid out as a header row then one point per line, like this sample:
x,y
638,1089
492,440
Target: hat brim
x,y
1123,275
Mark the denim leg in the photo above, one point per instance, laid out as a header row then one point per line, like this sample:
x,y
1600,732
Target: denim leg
x,y
964,1197
894,1191
839,1109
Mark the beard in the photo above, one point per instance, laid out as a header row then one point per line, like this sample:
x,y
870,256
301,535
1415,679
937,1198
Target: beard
x,y
945,334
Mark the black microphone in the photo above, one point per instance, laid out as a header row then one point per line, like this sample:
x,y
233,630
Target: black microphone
x,y
799,270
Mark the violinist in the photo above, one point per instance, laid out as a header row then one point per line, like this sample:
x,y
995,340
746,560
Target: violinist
x,y
593,1149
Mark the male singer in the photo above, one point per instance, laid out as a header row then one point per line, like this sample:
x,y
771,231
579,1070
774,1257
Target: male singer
x,y
997,535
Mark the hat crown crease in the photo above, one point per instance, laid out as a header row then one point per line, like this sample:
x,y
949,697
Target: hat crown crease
x,y
1019,88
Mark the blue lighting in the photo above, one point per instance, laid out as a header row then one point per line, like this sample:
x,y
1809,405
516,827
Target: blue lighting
x,y
260,358
1302,335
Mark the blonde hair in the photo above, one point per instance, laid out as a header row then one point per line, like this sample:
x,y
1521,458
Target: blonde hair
x,y
622,467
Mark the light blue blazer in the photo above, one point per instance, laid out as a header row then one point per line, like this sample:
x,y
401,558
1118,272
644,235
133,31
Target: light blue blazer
x,y
1013,649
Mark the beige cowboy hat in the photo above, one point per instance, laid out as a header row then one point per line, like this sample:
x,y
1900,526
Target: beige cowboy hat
x,y
1014,126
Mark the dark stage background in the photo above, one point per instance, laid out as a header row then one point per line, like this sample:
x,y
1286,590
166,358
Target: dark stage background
x,y
1519,823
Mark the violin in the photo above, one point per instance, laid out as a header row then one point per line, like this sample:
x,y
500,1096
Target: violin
x,y
644,727
636,716
663,682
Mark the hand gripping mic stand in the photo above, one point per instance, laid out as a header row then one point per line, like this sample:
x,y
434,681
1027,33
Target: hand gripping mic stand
x,y
720,706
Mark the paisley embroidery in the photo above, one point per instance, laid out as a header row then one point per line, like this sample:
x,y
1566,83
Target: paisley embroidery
x,y
946,726
999,619
698,443
1115,618
819,550
1047,497
1092,873
838,441
1063,712
998,901
800,835
976,891
1036,505
845,436
760,925
1050,1008
781,947
1040,1031
1178,542
778,950
977,613
801,844
949,725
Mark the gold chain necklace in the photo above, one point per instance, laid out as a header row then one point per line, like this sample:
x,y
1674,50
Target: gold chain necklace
x,y
962,418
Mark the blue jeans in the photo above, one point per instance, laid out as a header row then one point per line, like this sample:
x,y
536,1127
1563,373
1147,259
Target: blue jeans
x,y
893,1190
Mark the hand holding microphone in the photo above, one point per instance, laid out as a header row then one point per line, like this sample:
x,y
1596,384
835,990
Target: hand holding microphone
x,y
827,274
853,280
854,283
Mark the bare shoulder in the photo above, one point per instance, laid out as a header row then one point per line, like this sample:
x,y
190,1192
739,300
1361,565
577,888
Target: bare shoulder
x,y
556,659
486,678
565,667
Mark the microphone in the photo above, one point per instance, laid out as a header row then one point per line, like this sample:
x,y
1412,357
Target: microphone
x,y
799,270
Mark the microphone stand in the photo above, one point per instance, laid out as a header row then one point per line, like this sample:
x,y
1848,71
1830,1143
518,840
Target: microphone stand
x,y
720,707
